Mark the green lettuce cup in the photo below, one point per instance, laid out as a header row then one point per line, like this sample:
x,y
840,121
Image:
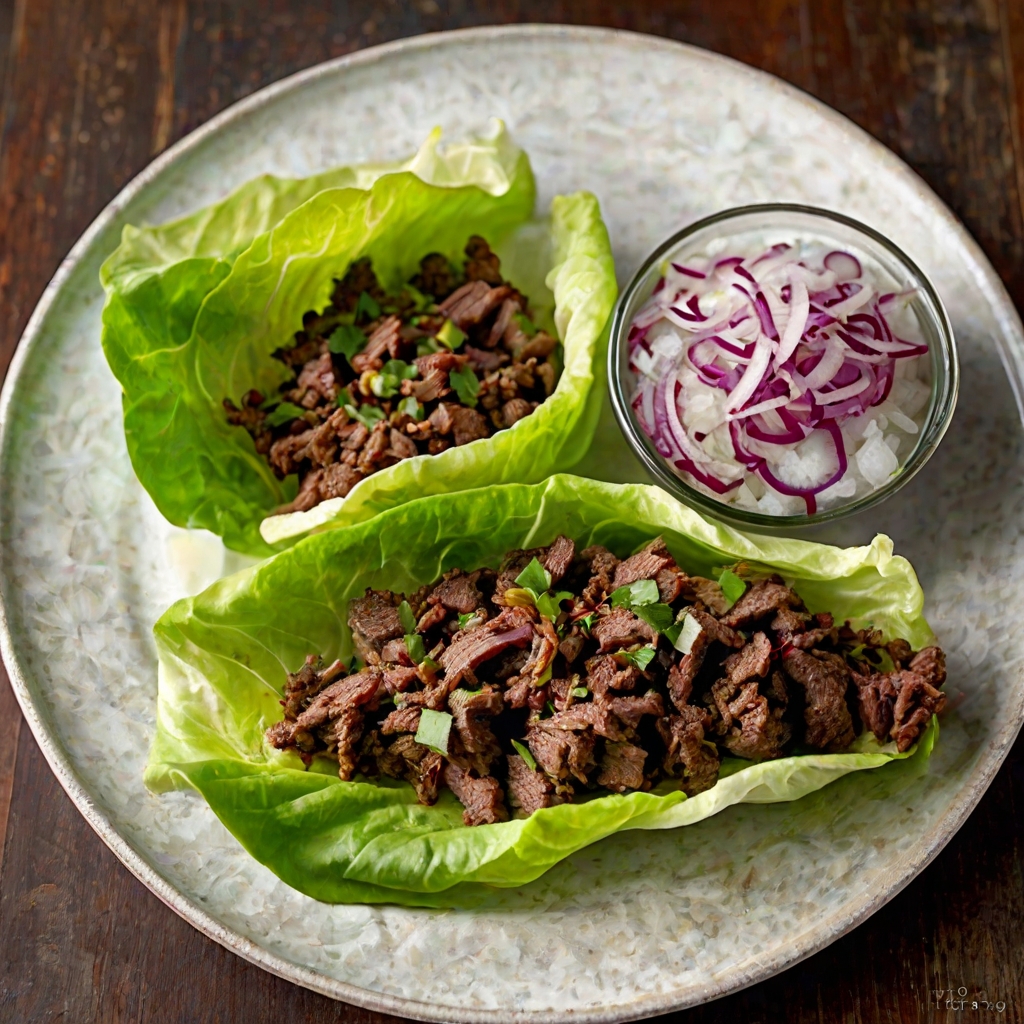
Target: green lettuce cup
x,y
195,309
223,657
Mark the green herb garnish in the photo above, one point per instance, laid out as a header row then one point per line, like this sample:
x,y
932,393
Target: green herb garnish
x,y
386,384
641,658
410,407
535,577
406,617
434,729
346,340
732,586
524,752
586,622
466,385
549,604
368,415
414,645
579,691
633,595
427,347
419,301
526,325
465,618
284,413
658,616
450,335
368,306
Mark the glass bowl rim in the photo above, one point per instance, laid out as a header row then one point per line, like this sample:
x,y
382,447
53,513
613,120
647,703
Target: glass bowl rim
x,y
944,389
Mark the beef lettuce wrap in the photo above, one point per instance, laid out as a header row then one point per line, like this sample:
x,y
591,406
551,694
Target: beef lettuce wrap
x,y
471,687
509,341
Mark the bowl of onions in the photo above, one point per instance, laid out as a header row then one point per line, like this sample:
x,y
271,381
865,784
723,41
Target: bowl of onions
x,y
781,365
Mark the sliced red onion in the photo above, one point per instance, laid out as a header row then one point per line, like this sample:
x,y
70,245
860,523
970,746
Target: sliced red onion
x,y
844,265
689,273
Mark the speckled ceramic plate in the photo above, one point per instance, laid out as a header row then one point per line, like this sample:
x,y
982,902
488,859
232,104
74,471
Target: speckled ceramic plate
x,y
642,922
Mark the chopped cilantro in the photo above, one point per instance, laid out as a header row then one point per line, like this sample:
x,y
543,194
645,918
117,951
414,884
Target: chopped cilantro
x,y
466,385
412,408
347,340
465,619
368,415
535,577
659,616
587,621
579,691
400,369
434,729
732,586
526,325
368,306
284,413
548,604
387,383
641,658
550,708
450,336
419,301
406,617
414,645
634,594
524,752
427,347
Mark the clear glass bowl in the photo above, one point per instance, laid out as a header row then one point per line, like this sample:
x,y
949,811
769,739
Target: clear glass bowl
x,y
763,225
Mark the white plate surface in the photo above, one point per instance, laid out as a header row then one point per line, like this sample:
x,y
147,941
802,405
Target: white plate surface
x,y
643,922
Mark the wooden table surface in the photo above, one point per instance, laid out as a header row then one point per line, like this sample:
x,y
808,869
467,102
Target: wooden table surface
x,y
92,90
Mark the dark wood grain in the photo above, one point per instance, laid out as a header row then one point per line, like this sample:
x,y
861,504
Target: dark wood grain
x,y
92,89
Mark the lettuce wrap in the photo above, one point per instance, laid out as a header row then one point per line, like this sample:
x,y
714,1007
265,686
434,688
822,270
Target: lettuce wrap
x,y
223,656
195,308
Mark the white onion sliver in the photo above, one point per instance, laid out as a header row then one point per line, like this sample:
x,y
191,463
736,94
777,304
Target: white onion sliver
x,y
828,366
841,394
752,374
800,308
841,310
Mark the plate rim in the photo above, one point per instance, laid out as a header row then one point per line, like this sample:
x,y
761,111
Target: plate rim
x,y
740,975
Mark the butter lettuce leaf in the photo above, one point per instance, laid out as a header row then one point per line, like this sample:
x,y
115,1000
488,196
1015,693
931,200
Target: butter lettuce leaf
x,y
223,656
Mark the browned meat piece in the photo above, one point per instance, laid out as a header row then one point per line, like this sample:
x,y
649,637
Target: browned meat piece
x,y
402,446
435,615
824,678
375,449
308,496
930,664
316,383
622,767
763,598
542,652
813,637
629,710
788,622
359,278
395,652
375,617
353,436
482,265
512,565
681,676
458,592
671,585
686,753
409,760
398,678
620,628
750,662
918,700
472,302
900,651
540,346
514,410
560,752
401,720
471,648
644,565
529,790
443,361
252,418
304,685
559,557
433,386
441,418
436,277
589,715
469,712
716,629
384,341
468,425
485,361
288,452
482,799
572,646
876,697
604,673
509,308
337,480
602,570
709,593
750,728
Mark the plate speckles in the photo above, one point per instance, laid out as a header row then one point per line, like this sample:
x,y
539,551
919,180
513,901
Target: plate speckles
x,y
643,922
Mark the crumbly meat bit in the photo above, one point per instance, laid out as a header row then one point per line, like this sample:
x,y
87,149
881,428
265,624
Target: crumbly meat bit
x,y
441,418
715,628
600,563
359,278
708,593
604,673
571,646
763,598
540,346
304,685
528,789
409,760
559,557
401,720
308,494
788,622
437,277
482,264
749,727
918,700
751,661
482,798
620,628
433,386
629,710
824,678
468,425
287,453
622,767
682,674
514,410
401,447
559,752
644,565
398,678
897,705
930,664
471,648
375,617
686,752
470,712
485,361
458,592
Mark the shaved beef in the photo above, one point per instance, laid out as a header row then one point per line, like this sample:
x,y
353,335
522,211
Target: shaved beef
x,y
383,341
304,685
482,799
470,648
682,675
629,710
441,418
458,592
604,673
542,651
715,629
622,767
375,450
468,305
686,752
572,646
897,705
468,713
443,361
708,593
398,679
485,361
514,410
375,617
287,454
750,728
559,752
316,383
620,628
753,660
594,715
761,599
394,652
409,760
671,585
930,664
401,720
644,565
529,790
559,557
602,570
824,678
